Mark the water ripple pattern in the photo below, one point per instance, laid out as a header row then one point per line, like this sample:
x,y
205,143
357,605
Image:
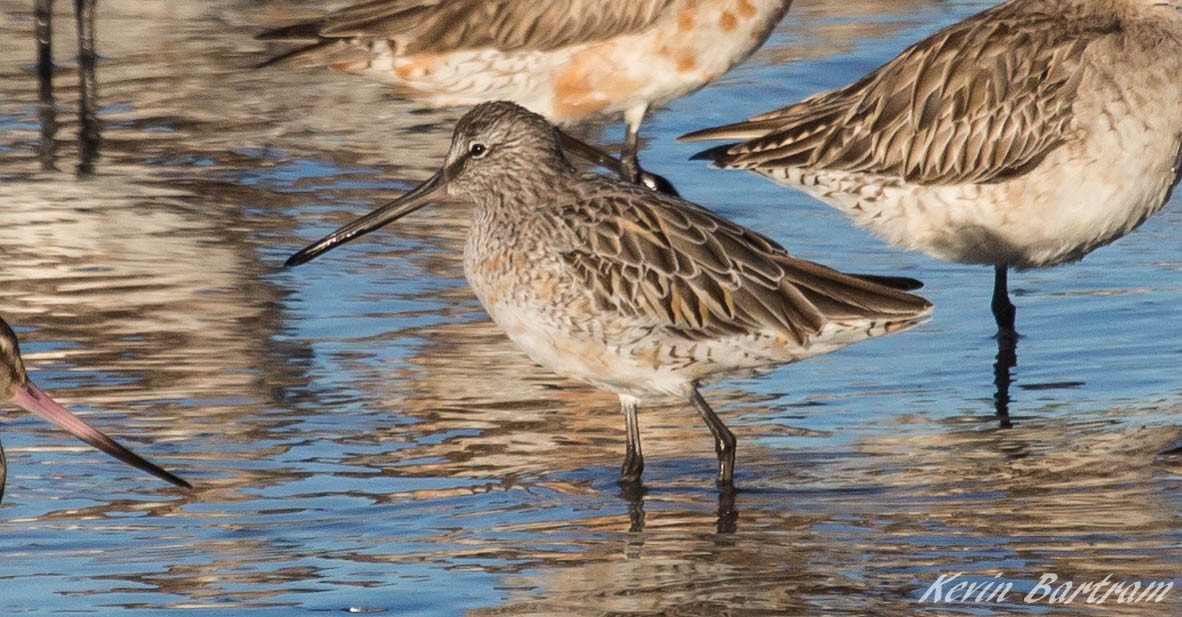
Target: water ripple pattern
x,y
364,440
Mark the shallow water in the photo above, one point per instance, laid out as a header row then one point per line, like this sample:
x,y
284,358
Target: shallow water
x,y
363,438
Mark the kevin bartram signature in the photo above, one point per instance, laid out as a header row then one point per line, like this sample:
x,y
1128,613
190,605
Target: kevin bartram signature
x,y
956,588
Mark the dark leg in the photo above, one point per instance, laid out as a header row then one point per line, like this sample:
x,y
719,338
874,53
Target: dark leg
x,y
629,159
88,125
724,440
47,151
3,472
591,154
633,459
629,163
1007,346
1003,309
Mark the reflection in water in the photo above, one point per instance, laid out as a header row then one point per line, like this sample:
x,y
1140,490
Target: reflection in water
x,y
88,122
634,494
911,508
43,32
833,28
1003,370
365,437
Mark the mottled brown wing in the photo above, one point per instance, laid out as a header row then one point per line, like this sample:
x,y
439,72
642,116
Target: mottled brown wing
x,y
979,101
438,26
702,276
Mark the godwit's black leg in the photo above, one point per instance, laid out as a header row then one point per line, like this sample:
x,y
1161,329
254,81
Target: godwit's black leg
x,y
629,156
724,440
633,458
1003,309
1007,345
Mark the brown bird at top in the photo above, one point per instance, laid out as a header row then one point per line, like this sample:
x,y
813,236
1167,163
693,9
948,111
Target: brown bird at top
x,y
565,59
16,388
1025,136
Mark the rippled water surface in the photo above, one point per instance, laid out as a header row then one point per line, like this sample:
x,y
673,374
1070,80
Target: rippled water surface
x,y
362,438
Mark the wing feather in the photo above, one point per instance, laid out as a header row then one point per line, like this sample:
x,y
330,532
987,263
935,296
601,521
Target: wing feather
x,y
979,101
683,268
440,26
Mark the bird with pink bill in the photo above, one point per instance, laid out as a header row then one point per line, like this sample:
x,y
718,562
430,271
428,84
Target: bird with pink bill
x,y
16,388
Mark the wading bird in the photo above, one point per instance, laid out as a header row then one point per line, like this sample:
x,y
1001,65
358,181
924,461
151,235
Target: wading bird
x,y
1025,136
635,292
567,60
16,388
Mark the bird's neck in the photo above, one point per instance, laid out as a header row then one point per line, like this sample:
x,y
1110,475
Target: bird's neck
x,y
515,196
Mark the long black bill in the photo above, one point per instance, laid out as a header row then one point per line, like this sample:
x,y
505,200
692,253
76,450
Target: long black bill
x,y
431,191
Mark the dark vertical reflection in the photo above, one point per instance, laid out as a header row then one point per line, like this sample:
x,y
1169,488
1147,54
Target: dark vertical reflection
x,y
1007,359
47,151
728,516
88,124
634,493
3,472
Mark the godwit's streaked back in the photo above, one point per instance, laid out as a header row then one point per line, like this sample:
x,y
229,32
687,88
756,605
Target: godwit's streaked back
x,y
1025,136
636,292
566,60
16,388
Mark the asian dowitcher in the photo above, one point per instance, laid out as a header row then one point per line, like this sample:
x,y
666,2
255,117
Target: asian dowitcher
x,y
1025,136
566,60
16,388
635,292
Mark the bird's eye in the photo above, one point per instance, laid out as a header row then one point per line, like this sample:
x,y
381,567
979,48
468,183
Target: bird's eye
x,y
477,150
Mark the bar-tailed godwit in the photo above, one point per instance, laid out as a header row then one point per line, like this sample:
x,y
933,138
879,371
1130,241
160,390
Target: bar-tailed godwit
x,y
635,292
1025,136
16,388
566,60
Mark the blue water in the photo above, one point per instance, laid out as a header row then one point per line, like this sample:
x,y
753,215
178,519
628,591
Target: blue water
x,y
363,439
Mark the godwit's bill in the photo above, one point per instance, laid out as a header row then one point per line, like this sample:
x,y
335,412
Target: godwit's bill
x,y
635,292
18,389
566,60
1025,136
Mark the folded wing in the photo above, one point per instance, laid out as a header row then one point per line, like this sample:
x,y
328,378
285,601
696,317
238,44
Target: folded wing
x,y
979,101
440,26
683,268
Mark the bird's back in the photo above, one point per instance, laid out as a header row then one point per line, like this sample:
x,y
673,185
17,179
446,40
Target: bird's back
x,y
979,101
653,283
1026,135
565,60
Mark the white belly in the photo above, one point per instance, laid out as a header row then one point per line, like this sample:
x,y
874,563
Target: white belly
x,y
1079,198
687,48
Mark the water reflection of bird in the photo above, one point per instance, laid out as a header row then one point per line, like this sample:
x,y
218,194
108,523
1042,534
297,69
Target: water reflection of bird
x,y
637,293
1025,136
16,388
565,60
88,130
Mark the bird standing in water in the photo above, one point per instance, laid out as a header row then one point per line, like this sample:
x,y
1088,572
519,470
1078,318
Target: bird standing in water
x,y
635,292
16,388
567,60
1025,136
